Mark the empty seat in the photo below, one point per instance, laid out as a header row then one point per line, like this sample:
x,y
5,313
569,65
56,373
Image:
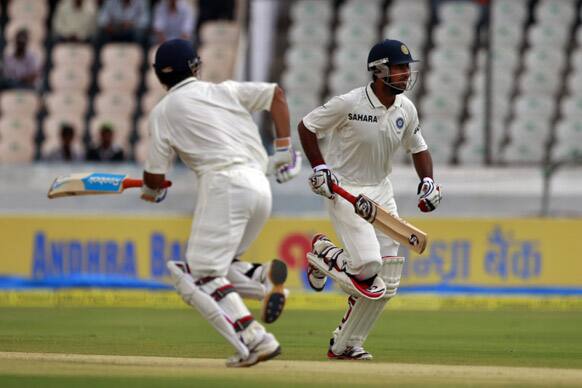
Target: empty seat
x,y
446,79
16,151
564,150
524,151
507,35
67,103
350,56
555,12
411,11
539,80
548,35
319,11
454,35
458,12
438,129
539,58
28,10
69,79
115,103
576,59
529,127
574,81
440,104
360,12
306,55
510,11
344,80
118,79
411,35
219,63
315,34
19,103
470,153
17,126
73,54
221,32
571,106
570,130
302,80
535,105
150,100
443,57
356,33
122,55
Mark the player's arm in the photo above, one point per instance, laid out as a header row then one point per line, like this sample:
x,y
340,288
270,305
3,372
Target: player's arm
x,y
310,145
160,155
285,163
423,164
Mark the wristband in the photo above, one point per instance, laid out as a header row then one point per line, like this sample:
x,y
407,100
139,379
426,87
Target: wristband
x,y
320,167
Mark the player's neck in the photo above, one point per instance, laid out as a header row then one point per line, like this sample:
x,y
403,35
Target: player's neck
x,y
385,97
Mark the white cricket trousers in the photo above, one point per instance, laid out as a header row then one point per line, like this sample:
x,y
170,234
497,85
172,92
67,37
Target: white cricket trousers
x,y
364,244
232,208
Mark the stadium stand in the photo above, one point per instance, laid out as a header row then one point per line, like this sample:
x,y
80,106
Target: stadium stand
x,y
536,109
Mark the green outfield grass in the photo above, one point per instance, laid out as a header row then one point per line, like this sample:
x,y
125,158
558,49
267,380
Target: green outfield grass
x,y
496,338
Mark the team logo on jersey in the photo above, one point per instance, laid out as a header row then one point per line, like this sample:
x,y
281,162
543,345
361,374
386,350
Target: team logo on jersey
x,y
361,117
404,50
399,123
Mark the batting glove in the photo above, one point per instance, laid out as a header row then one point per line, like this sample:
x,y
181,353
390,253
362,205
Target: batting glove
x,y
151,195
321,181
290,170
429,195
283,155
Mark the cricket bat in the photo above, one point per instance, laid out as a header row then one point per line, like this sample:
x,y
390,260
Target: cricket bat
x,y
93,183
394,227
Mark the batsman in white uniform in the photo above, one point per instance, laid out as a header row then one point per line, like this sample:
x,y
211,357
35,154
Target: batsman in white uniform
x,y
210,127
351,139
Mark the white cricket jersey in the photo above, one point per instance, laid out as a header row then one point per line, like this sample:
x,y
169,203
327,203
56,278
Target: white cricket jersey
x,y
358,135
209,126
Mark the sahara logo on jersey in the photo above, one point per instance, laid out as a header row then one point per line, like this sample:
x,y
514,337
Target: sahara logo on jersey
x,y
361,117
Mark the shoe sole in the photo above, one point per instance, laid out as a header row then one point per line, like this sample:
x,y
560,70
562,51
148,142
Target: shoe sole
x,y
275,299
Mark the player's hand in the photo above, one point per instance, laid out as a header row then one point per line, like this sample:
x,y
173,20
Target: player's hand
x,y
429,194
151,195
321,181
283,155
290,170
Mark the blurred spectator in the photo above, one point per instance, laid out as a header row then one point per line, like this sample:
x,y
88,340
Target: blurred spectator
x,y
64,152
173,19
20,68
106,150
123,20
75,20
214,10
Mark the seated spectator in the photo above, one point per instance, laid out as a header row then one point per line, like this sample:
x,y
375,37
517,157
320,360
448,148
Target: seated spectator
x,y
123,20
173,19
64,152
106,150
75,21
20,68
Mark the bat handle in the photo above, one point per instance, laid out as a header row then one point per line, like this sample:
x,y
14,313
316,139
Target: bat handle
x,y
344,194
129,182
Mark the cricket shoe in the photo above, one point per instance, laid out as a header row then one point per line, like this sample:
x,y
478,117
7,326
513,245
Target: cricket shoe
x,y
315,277
350,353
266,349
276,295
331,260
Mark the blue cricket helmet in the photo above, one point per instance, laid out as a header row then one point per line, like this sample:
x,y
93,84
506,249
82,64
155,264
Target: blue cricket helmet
x,y
176,59
389,52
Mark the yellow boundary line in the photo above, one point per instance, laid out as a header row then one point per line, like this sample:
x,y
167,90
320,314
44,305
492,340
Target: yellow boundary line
x,y
297,300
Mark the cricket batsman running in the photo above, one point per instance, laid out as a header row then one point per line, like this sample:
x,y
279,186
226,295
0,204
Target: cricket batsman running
x,y
209,126
362,131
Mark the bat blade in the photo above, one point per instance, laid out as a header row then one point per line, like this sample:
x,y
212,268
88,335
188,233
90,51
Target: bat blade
x,y
87,184
393,226
400,230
